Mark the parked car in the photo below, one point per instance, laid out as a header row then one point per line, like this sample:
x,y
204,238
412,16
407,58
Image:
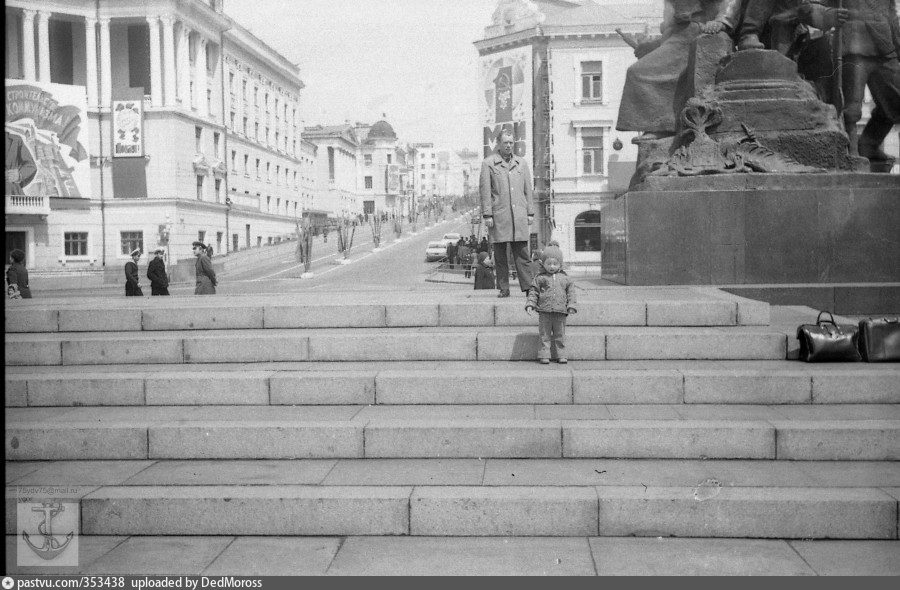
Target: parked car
x,y
435,251
451,237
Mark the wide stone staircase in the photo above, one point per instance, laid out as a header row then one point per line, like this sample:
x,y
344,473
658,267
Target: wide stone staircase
x,y
423,413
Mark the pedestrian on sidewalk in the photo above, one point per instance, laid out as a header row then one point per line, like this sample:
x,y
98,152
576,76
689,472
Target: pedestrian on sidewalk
x,y
325,234
484,245
17,276
464,253
451,254
206,276
132,286
552,294
507,209
156,272
484,272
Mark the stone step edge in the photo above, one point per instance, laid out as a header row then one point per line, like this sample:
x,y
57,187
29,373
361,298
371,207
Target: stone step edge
x,y
704,511
655,313
870,440
404,387
674,344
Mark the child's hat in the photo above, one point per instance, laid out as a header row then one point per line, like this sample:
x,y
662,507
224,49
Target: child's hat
x,y
552,251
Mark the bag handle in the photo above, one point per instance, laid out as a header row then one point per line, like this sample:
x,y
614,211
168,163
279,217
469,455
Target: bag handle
x,y
819,318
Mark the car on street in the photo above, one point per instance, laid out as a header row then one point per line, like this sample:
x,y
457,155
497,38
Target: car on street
x,y
435,251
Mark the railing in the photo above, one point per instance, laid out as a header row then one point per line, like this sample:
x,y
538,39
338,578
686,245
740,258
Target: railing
x,y
27,205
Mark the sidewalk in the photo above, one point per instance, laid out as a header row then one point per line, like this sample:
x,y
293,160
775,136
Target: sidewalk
x,y
482,556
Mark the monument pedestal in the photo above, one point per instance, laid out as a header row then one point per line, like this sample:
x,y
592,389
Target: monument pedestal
x,y
766,230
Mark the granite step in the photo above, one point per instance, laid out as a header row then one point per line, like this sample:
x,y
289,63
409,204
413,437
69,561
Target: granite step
x,y
272,432
389,310
760,512
390,344
488,383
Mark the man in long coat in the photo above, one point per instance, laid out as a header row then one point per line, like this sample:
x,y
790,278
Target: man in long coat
x,y
508,211
132,288
206,276
156,272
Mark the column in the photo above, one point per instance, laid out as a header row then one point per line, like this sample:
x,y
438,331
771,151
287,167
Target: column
x,y
28,57
44,46
90,36
169,58
105,65
200,78
184,67
155,62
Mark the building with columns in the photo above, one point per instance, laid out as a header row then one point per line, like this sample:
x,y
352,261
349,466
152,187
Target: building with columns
x,y
150,124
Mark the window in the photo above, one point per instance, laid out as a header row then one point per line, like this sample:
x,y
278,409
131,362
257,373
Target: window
x,y
330,163
244,130
257,169
389,158
246,165
244,91
268,171
587,232
198,137
432,166
423,166
218,189
266,136
231,83
233,161
75,243
277,140
199,188
592,80
277,174
216,144
256,131
367,159
592,150
232,119
256,96
268,203
131,240
368,180
201,236
209,107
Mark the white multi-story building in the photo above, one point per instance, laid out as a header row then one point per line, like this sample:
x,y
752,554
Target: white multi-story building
x,y
132,115
552,71
337,167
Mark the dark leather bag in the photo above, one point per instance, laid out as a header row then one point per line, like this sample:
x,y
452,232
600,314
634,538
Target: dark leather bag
x,y
825,341
879,340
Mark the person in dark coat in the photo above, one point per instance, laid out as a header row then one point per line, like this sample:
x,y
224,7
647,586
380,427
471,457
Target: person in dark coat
x,y
210,251
206,276
451,253
156,272
132,288
508,210
484,245
17,275
484,272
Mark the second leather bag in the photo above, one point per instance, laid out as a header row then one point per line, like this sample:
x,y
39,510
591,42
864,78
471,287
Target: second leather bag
x,y
879,340
825,341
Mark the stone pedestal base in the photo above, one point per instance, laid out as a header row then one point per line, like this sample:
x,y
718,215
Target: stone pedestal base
x,y
753,229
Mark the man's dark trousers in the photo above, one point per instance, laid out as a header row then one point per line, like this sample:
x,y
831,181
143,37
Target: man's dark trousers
x,y
523,264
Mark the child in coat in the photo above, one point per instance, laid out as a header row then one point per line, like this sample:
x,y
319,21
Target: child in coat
x,y
484,272
552,294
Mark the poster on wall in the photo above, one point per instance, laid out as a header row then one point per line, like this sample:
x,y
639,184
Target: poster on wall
x,y
506,86
46,135
128,129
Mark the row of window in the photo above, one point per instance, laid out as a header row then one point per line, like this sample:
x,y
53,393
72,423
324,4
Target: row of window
x,y
290,178
278,141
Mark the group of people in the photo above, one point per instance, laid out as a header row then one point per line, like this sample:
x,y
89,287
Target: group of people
x,y
463,252
159,279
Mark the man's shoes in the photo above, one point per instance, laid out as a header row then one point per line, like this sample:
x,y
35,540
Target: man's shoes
x,y
545,361
563,361
504,293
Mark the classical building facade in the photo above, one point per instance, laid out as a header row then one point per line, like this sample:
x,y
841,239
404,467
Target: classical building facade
x,y
134,114
552,71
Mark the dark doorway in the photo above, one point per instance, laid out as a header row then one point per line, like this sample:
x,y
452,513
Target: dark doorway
x,y
15,240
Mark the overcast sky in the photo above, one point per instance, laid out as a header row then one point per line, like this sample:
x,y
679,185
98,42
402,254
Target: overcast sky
x,y
411,59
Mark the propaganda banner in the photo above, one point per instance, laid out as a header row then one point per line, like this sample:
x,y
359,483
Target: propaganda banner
x,y
507,87
128,129
46,133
